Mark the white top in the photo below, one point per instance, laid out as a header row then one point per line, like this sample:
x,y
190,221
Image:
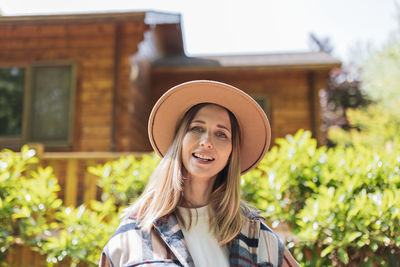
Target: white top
x,y
202,244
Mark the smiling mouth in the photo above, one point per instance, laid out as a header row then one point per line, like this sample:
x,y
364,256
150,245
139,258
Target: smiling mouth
x,y
202,157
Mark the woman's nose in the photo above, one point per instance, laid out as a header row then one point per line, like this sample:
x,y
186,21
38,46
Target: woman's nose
x,y
206,141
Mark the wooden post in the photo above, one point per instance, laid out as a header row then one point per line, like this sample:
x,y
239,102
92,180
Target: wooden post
x,y
27,256
90,184
71,183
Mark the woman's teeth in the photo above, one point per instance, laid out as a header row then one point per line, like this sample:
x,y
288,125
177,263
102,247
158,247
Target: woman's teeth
x,y
203,157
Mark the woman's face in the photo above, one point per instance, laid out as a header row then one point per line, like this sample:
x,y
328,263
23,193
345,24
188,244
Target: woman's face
x,y
207,144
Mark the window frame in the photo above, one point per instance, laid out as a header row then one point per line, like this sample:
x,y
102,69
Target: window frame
x,y
24,138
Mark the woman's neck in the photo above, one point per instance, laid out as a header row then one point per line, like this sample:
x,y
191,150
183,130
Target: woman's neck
x,y
197,193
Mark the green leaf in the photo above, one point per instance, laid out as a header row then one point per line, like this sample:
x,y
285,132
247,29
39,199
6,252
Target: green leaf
x,y
374,246
327,250
343,256
353,236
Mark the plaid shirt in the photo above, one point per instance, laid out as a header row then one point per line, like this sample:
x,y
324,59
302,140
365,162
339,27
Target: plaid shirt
x,y
256,245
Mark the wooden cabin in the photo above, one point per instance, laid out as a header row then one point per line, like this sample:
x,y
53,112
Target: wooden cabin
x,y
67,80
87,82
83,85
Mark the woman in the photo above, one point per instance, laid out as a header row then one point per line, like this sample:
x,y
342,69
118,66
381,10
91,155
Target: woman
x,y
190,214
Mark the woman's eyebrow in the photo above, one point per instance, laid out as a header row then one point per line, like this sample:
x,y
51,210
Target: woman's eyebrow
x,y
199,121
223,127
218,125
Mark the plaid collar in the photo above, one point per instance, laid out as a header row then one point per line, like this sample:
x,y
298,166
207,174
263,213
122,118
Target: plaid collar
x,y
243,249
168,228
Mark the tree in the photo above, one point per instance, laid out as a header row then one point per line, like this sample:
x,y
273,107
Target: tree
x,y
320,44
377,126
341,93
381,75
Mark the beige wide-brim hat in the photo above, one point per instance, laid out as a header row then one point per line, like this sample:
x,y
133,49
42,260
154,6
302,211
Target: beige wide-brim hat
x,y
170,108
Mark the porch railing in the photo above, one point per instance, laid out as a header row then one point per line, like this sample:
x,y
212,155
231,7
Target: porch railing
x,y
77,184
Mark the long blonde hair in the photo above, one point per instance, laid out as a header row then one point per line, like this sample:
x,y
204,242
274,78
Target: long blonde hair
x,y
163,192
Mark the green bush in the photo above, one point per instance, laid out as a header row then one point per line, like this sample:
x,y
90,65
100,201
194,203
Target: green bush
x,y
85,230
124,180
286,177
31,214
82,236
374,127
28,201
341,204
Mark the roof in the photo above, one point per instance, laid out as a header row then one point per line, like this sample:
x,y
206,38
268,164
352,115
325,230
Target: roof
x,y
149,17
290,60
182,60
315,59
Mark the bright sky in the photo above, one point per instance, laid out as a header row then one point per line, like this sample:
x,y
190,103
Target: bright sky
x,y
252,26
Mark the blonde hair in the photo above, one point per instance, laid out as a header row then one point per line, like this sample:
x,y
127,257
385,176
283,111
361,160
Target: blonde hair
x,y
163,192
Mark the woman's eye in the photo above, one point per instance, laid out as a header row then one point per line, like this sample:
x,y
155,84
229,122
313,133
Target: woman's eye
x,y
222,135
196,129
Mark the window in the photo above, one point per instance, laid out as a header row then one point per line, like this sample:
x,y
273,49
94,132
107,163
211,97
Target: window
x,y
40,110
12,82
262,100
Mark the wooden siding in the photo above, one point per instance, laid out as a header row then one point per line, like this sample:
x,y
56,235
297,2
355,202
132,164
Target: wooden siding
x,y
116,85
288,92
99,50
132,103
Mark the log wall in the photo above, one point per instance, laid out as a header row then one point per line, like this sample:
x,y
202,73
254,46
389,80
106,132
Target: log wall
x,y
101,52
292,95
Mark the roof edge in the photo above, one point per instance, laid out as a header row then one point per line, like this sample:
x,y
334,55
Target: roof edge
x,y
149,17
308,67
158,17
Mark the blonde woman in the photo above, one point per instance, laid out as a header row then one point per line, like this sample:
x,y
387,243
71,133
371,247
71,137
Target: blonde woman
x,y
190,214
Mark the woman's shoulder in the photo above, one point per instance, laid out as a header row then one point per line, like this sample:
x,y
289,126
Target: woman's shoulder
x,y
251,214
128,227
115,249
255,226
132,245
127,224
270,246
123,247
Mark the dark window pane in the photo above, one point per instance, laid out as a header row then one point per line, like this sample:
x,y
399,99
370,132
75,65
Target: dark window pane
x,y
51,95
12,82
260,101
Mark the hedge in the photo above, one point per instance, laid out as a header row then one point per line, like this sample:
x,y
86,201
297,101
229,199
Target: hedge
x,y
340,204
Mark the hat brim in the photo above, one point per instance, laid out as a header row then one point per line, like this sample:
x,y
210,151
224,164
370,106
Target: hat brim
x,y
170,108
